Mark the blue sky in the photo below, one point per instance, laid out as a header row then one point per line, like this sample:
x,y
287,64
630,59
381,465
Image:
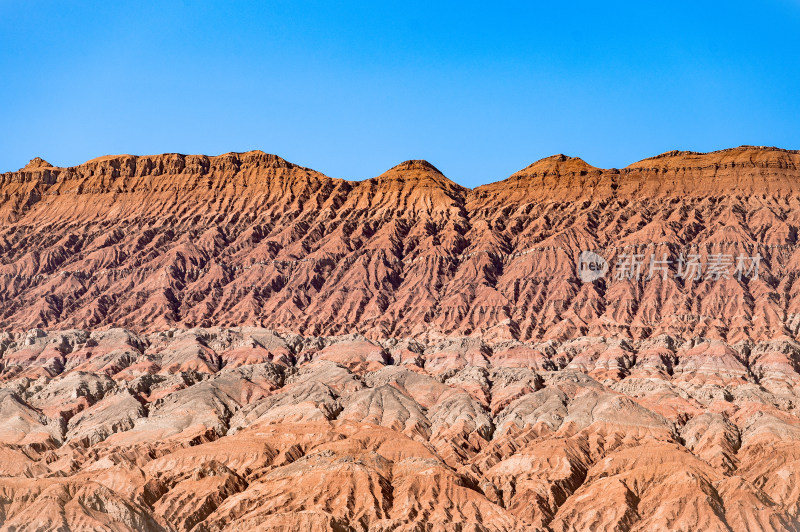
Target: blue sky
x,y
350,89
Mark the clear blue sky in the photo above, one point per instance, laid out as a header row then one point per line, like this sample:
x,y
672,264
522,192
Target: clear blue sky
x,y
479,90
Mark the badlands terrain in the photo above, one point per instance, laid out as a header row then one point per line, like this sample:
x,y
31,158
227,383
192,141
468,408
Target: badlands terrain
x,y
239,343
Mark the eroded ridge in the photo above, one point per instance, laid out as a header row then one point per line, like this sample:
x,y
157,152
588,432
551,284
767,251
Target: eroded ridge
x,y
242,428
165,241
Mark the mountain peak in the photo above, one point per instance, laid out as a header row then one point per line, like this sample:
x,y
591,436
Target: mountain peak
x,y
36,163
416,172
415,164
557,164
742,156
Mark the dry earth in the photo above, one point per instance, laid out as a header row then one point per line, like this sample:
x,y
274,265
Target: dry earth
x,y
237,343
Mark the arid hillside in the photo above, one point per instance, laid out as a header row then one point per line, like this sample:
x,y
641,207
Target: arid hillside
x,y
250,239
245,429
239,343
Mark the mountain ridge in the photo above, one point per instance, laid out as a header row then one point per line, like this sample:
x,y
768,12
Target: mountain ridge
x,y
546,165
252,239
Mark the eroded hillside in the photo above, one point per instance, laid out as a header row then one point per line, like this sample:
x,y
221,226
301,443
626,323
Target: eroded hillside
x,y
241,429
238,343
250,239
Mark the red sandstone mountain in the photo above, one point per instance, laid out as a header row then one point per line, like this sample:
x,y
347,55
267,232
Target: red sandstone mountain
x,y
236,343
250,239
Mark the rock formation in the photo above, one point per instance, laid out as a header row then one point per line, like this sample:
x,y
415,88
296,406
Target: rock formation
x,y
237,342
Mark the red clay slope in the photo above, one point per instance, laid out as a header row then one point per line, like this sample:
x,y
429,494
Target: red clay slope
x,y
243,429
420,356
250,239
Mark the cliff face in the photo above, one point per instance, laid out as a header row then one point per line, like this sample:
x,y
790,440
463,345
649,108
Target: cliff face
x,y
238,343
250,239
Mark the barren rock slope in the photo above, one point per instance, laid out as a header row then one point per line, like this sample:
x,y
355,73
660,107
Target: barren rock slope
x,y
238,343
250,239
240,429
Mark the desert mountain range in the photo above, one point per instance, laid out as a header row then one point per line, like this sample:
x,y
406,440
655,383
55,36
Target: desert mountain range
x,y
237,342
150,243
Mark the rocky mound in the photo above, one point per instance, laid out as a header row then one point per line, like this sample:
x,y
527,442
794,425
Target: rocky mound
x,y
240,429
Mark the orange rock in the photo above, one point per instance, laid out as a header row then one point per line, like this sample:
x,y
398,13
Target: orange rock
x,y
238,343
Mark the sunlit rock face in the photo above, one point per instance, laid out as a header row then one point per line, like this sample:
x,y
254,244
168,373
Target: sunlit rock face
x,y
150,243
244,428
240,343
